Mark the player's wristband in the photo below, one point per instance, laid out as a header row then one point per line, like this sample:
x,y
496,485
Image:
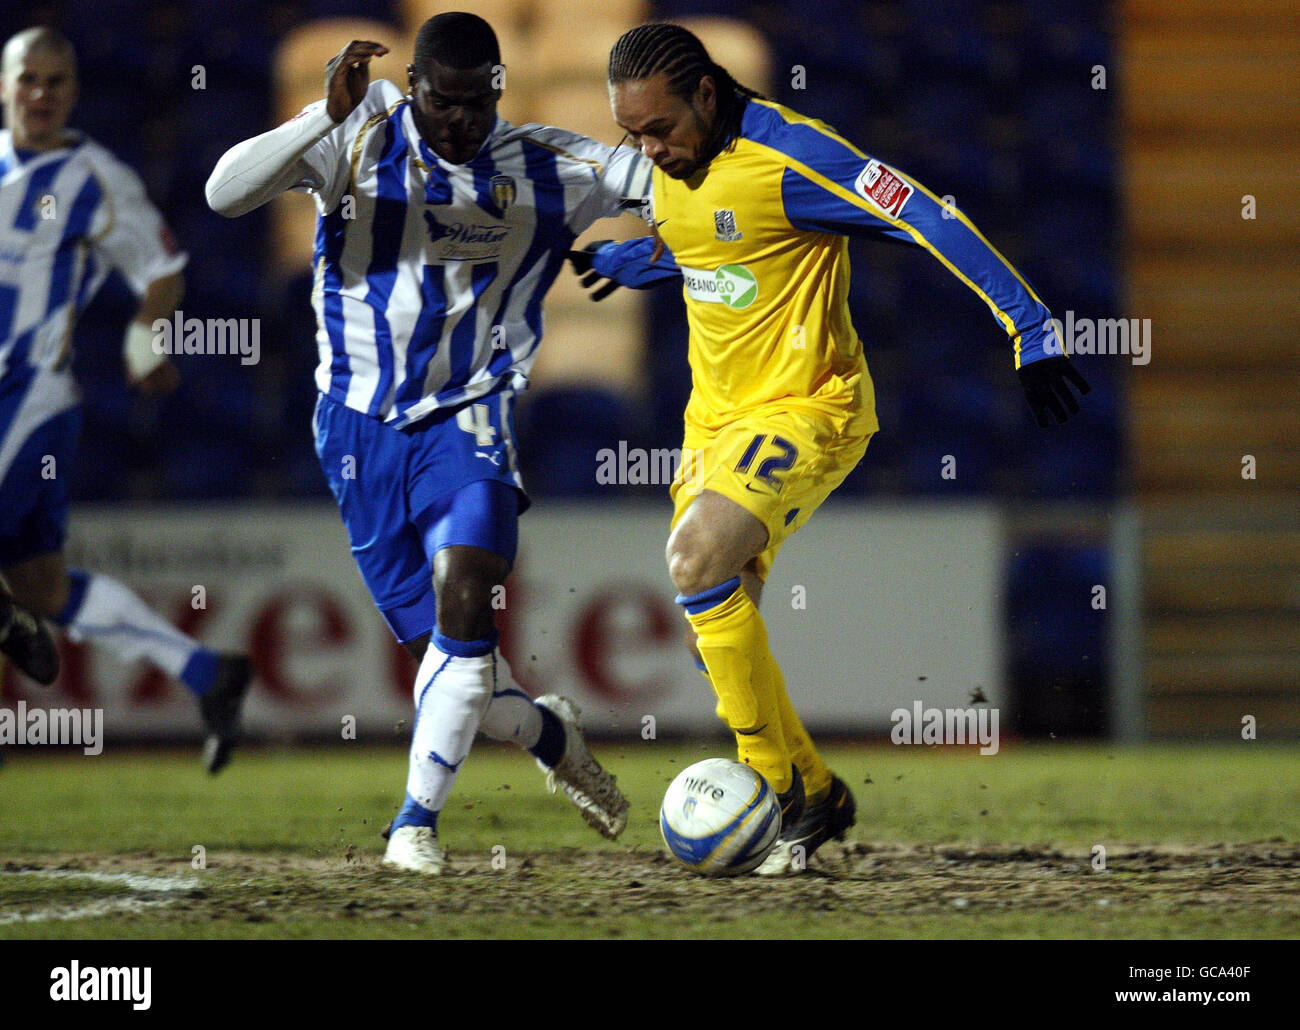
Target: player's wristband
x,y
138,351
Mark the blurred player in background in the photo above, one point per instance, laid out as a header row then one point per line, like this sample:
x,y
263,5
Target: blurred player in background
x,y
70,212
25,641
441,226
752,203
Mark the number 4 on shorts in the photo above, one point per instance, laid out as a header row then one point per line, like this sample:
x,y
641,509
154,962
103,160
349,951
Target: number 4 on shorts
x,y
473,418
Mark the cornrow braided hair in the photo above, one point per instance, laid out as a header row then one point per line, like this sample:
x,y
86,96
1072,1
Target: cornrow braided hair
x,y
661,47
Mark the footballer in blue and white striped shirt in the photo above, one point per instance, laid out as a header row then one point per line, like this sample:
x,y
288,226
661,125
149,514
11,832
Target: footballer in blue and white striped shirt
x,y
70,212
440,228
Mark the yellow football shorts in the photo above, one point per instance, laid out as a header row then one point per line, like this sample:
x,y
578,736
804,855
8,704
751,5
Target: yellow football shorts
x,y
779,464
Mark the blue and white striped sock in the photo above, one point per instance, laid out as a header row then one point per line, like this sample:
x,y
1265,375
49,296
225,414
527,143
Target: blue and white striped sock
x,y
453,688
104,612
516,717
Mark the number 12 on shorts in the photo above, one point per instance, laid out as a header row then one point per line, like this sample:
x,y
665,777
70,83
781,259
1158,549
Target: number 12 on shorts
x,y
768,469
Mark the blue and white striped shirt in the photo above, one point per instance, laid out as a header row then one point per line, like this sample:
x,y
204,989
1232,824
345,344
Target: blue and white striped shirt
x,y
430,276
67,217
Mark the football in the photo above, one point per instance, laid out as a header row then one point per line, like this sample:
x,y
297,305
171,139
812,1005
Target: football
x,y
720,817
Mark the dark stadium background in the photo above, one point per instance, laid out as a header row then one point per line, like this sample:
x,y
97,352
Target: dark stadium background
x,y
989,100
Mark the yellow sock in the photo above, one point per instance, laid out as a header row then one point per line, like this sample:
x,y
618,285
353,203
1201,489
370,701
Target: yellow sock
x,y
816,776
802,752
732,640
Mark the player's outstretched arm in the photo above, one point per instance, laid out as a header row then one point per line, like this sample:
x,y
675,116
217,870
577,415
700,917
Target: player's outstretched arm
x,y
259,169
834,187
623,186
639,264
1049,379
133,239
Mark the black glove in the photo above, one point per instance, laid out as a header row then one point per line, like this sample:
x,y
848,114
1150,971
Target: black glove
x,y
581,261
1047,390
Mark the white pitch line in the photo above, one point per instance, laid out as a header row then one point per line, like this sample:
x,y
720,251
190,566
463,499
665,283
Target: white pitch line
x,y
164,885
91,910
135,881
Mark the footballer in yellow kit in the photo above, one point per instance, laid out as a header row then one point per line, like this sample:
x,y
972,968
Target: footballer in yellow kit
x,y
752,206
782,406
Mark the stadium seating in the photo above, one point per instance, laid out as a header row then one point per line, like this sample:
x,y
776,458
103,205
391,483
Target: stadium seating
x,y
957,123
1210,116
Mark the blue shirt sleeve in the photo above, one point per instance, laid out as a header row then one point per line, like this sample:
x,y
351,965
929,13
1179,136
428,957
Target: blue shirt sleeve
x,y
832,187
628,263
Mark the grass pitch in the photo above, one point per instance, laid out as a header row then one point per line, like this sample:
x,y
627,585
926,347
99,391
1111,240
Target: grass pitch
x,y
1199,842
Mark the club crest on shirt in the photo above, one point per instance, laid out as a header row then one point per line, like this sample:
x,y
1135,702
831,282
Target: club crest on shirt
x,y
724,222
503,191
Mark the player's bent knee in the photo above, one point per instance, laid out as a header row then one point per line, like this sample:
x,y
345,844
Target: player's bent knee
x,y
465,606
465,611
464,582
695,568
685,569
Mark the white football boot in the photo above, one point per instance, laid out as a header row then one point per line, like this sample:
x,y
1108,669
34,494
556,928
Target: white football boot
x,y
415,849
594,791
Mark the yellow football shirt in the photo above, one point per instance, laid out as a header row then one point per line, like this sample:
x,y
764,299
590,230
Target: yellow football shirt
x,y
759,239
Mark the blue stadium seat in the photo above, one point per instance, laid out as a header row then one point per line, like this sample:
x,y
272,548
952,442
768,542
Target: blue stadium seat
x,y
952,40
560,432
1062,36
1049,591
210,417
1058,642
1071,246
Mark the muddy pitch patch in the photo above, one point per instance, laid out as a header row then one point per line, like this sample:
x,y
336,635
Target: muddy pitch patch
x,y
857,877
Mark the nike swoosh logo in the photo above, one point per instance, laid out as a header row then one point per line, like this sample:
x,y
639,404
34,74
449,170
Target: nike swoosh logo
x,y
750,733
660,222
753,489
